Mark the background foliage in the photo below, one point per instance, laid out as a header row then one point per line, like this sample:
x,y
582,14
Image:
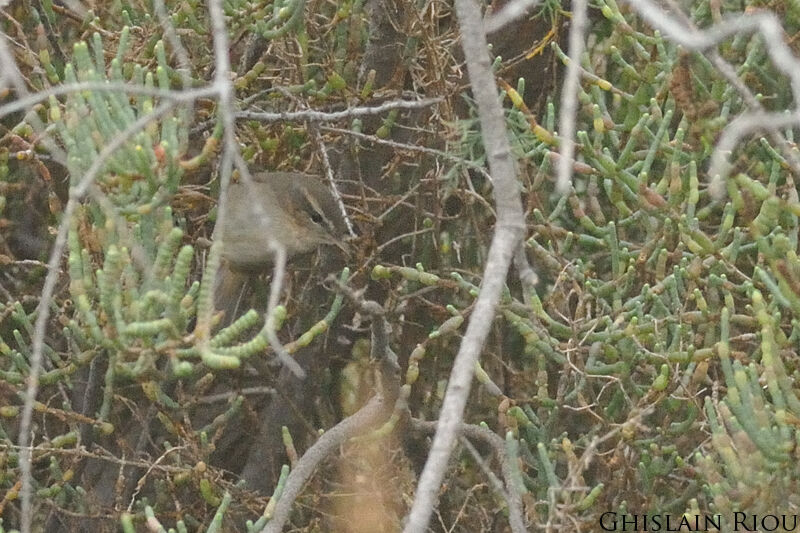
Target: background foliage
x,y
652,370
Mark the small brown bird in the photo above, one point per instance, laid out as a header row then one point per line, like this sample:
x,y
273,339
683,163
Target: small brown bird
x,y
286,208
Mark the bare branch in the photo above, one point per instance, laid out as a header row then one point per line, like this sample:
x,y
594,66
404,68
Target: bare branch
x,y
369,416
174,40
43,309
769,28
508,231
28,101
411,148
569,96
511,492
326,164
734,132
510,12
279,273
224,88
321,116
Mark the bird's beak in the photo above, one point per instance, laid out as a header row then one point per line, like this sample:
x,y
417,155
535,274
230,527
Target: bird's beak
x,y
343,245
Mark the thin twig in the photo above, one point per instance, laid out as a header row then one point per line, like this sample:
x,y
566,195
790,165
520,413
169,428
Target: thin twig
x,y
278,275
569,96
322,116
224,89
326,164
175,41
43,309
768,26
67,88
228,396
730,74
508,14
412,148
734,132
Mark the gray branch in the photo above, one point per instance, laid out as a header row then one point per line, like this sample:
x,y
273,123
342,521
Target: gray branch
x,y
322,116
510,225
769,28
511,491
569,96
373,413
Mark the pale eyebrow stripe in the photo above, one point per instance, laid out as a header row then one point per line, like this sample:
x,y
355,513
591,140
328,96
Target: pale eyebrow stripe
x,y
316,207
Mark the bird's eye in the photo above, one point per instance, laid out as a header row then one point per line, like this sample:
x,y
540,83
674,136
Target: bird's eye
x,y
316,217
